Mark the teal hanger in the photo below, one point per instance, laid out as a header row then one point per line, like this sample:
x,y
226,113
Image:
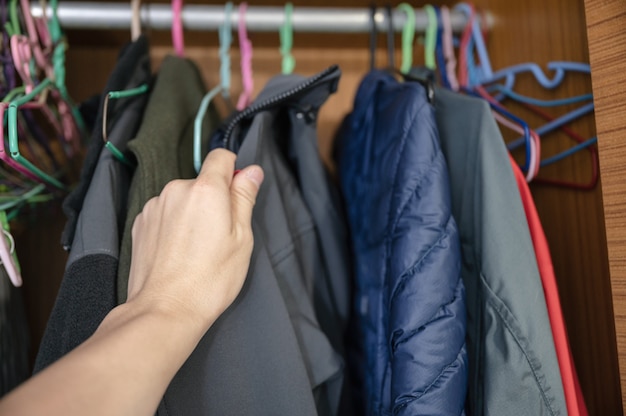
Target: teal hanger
x,y
13,139
113,95
58,63
225,36
286,41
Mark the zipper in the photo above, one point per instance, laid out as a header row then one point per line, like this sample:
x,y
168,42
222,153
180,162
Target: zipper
x,y
272,101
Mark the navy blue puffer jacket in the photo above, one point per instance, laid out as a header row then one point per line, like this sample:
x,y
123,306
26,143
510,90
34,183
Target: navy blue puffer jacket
x,y
409,331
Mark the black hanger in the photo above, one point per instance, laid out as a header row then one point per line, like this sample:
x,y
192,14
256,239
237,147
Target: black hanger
x,y
373,36
390,37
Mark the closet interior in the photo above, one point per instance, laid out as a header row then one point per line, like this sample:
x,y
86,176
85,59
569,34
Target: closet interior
x,y
587,254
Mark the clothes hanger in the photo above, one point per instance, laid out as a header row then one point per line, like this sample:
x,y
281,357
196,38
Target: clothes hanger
x,y
13,137
177,28
593,154
33,37
135,21
430,40
559,122
58,62
533,145
114,95
373,36
552,125
391,44
7,253
448,49
286,41
439,54
225,37
408,34
245,47
4,156
485,75
530,138
507,93
23,59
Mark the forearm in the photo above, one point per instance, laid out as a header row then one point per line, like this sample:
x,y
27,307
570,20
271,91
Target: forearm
x,y
123,369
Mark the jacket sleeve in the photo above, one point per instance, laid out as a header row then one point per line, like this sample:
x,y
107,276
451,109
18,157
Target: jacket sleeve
x,y
427,316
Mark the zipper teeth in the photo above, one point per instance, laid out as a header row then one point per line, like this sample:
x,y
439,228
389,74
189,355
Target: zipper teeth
x,y
255,108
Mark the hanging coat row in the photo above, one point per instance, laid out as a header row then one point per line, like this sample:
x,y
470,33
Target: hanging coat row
x,y
426,298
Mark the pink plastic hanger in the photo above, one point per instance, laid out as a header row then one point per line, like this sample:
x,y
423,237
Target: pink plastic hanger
x,y
33,36
245,46
22,55
177,27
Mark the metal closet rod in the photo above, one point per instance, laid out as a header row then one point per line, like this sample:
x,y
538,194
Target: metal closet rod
x,y
100,15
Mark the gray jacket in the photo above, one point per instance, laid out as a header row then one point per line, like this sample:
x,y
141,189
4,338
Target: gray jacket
x,y
513,364
298,222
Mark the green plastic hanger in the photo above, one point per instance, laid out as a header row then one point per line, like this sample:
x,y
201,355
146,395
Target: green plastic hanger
x,y
114,95
430,43
13,25
286,41
408,34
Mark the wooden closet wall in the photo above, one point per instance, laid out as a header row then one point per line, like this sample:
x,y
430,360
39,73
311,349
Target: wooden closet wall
x,y
533,30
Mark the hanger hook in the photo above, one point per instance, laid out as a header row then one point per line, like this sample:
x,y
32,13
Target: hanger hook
x,y
286,41
177,27
408,34
245,46
390,36
135,22
448,48
225,35
373,36
430,42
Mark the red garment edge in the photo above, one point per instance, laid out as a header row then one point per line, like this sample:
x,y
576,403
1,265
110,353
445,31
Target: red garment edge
x,y
574,399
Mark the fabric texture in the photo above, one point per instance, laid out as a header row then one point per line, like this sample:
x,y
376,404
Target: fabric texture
x,y
134,55
513,367
87,292
573,396
409,301
14,336
284,139
164,144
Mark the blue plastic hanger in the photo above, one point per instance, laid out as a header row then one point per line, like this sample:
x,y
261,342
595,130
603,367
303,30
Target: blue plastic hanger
x,y
225,36
537,102
566,153
557,123
525,140
439,55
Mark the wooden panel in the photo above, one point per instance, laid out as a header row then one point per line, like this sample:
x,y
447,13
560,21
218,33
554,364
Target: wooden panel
x,y
533,30
606,25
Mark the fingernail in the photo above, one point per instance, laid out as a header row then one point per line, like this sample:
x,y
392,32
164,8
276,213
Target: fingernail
x,y
236,172
255,174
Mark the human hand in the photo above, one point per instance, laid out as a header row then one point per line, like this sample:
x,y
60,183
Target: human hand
x,y
192,244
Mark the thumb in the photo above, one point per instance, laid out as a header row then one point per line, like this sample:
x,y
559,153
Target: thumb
x,y
244,190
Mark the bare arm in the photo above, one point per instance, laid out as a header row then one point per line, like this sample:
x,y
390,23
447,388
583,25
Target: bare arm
x,y
191,252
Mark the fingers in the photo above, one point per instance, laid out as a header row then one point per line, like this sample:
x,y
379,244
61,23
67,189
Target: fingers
x,y
220,164
244,190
